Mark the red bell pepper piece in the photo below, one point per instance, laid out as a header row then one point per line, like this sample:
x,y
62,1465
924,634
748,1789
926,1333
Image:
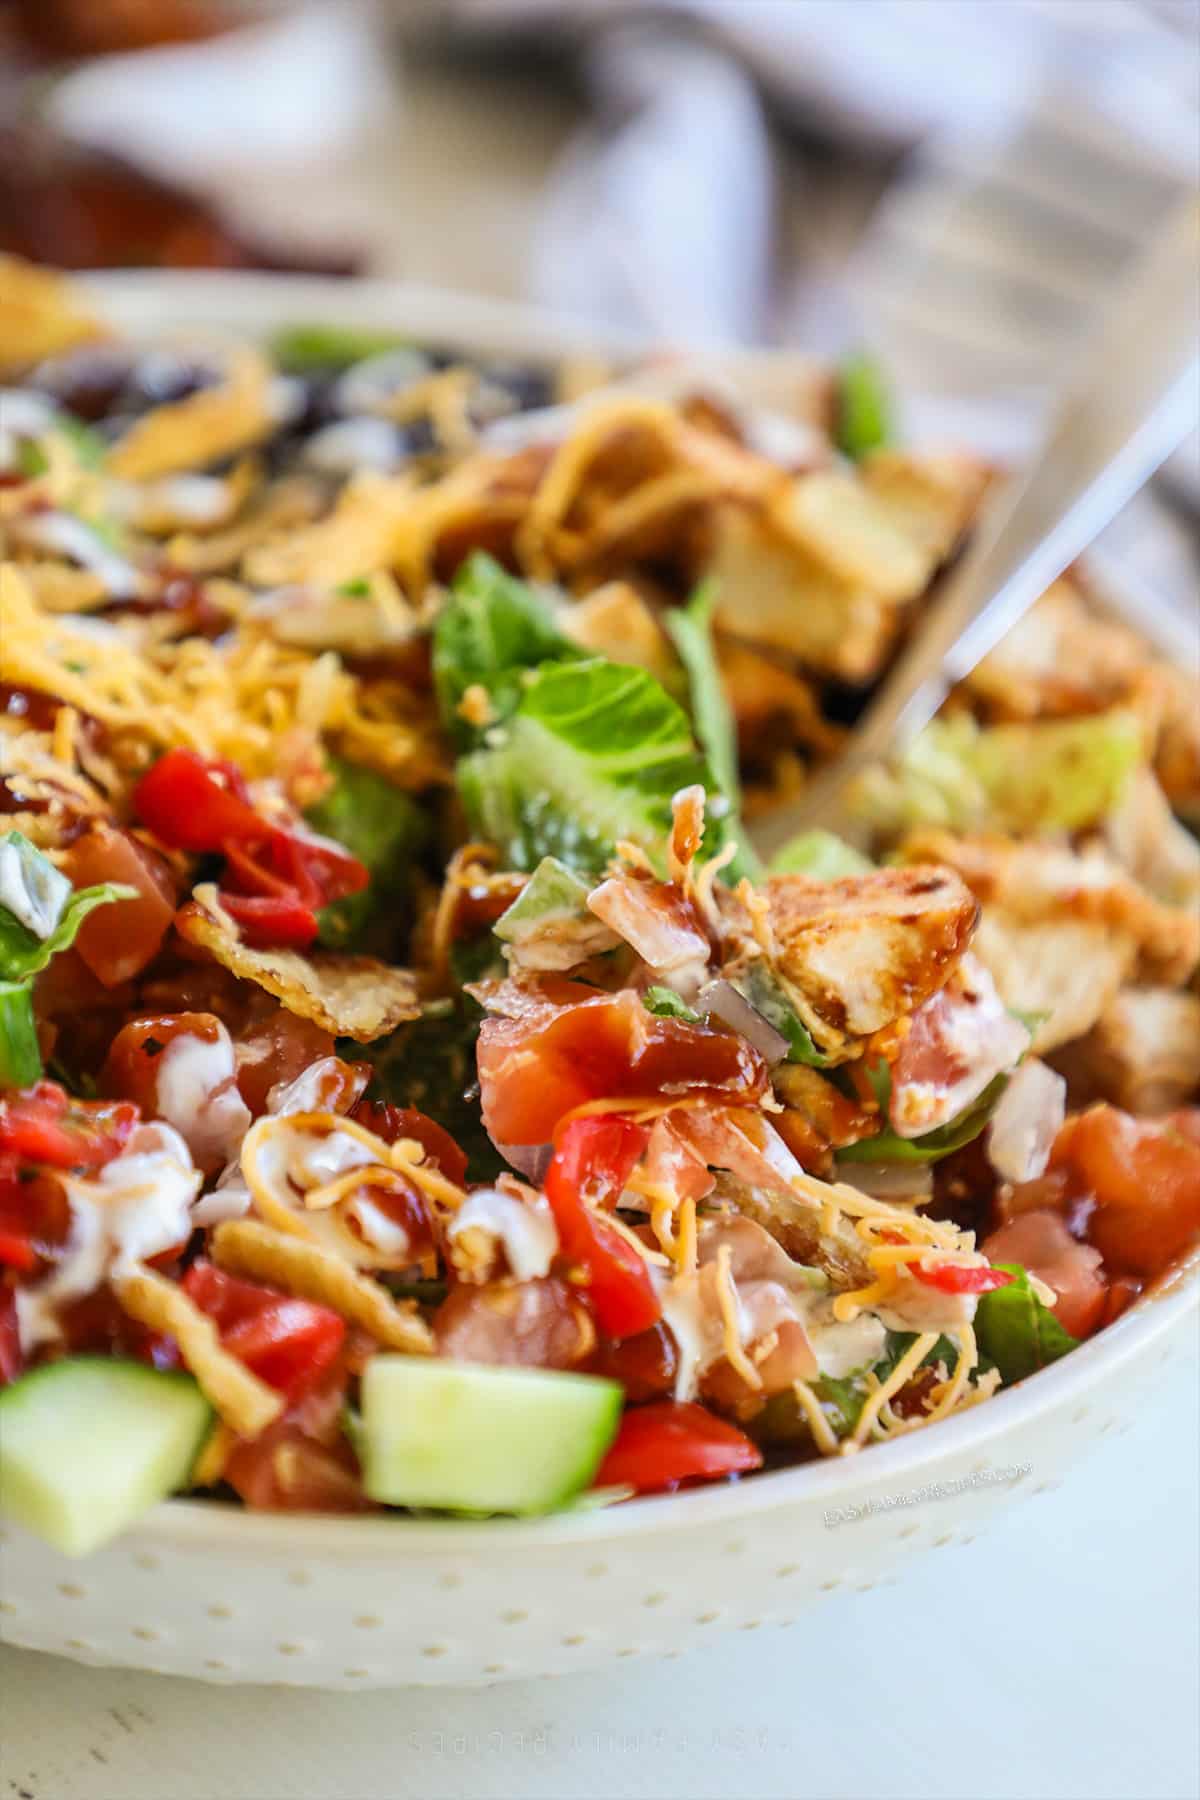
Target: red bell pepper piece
x,y
273,921
952,1278
593,1161
193,802
660,1445
287,1343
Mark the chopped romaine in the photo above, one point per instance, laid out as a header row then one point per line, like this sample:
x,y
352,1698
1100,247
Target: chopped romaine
x,y
31,888
1015,1331
299,348
762,989
430,1065
20,1058
592,754
1049,775
864,407
384,828
25,952
821,854
690,627
665,1003
887,1146
492,630
552,889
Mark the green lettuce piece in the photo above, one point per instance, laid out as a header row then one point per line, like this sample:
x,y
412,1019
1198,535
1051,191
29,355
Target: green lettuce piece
x,y
690,629
593,753
889,1147
758,984
88,445
385,829
1015,1332
665,1003
552,889
490,633
302,348
821,854
1047,776
864,407
23,954
20,1057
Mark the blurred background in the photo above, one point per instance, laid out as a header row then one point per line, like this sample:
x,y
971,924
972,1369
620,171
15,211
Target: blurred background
x,y
956,183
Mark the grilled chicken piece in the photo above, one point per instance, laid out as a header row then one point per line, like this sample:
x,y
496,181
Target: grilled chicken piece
x,y
1143,1052
855,955
1063,930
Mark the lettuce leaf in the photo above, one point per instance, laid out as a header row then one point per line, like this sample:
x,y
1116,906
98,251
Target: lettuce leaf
x,y
665,1003
889,1147
491,632
690,629
821,854
385,829
23,954
430,1064
302,348
1047,776
1015,1332
592,754
864,407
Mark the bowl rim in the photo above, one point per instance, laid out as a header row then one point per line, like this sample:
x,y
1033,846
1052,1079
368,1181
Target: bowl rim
x,y
135,299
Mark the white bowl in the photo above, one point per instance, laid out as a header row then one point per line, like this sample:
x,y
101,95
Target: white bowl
x,y
202,1589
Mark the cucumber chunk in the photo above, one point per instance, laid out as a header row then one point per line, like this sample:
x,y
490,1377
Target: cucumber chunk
x,y
88,1443
482,1438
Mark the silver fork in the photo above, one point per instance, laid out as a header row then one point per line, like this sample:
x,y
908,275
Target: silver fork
x,y
1133,398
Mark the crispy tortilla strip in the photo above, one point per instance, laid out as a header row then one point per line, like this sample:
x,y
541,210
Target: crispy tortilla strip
x,y
247,1247
246,1404
40,314
189,433
210,1464
362,534
350,996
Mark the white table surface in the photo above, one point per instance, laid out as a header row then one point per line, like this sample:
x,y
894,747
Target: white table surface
x,y
1056,1658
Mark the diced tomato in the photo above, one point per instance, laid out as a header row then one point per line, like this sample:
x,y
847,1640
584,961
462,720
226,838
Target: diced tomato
x,y
275,1050
99,1323
43,1124
593,1161
1144,1175
135,1056
273,921
314,869
645,1365
117,941
1041,1243
568,1044
669,1442
195,803
952,1278
303,1462
392,1123
11,1359
536,1324
287,1343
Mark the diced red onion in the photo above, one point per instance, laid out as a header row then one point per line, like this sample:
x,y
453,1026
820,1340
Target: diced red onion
x,y
721,1000
529,1160
890,1181
1026,1122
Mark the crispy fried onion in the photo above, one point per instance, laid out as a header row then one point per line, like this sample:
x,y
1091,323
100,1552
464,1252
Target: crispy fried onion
x,y
248,1247
350,996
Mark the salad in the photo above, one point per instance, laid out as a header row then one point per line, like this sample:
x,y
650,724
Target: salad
x,y
414,1091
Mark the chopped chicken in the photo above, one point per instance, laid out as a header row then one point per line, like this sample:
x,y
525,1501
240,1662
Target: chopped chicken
x,y
1143,1052
615,621
1063,930
856,954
